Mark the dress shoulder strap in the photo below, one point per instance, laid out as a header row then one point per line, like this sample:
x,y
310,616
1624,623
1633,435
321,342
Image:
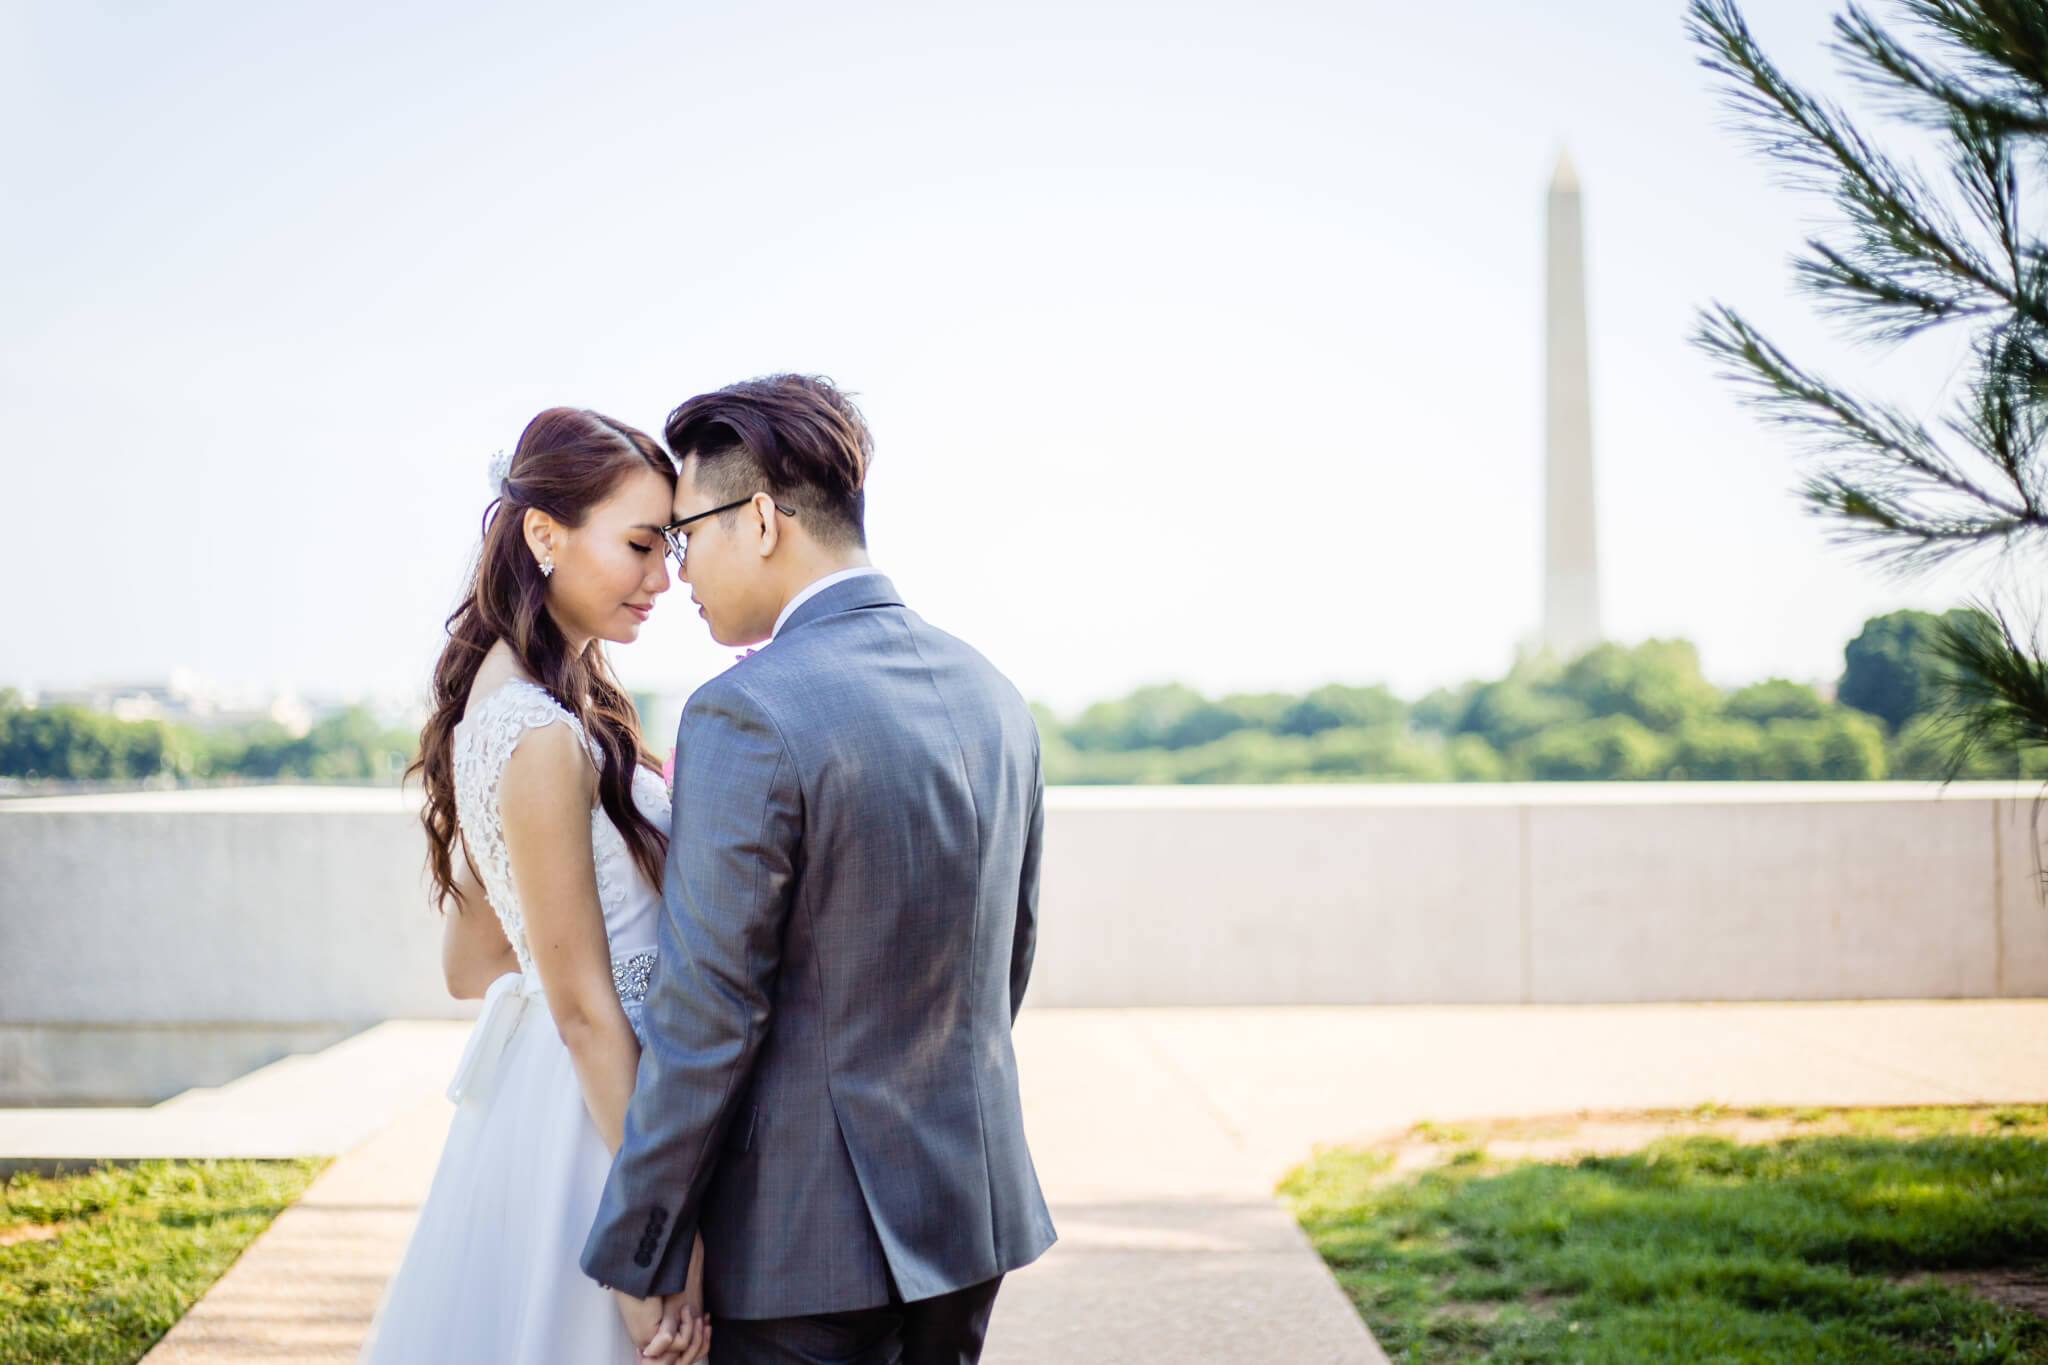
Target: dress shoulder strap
x,y
495,724
483,741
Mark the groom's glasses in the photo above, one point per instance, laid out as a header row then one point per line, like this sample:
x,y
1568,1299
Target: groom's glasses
x,y
679,540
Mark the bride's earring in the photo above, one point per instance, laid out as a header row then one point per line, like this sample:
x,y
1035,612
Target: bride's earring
x,y
547,567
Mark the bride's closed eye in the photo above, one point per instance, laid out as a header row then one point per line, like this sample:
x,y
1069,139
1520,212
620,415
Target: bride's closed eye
x,y
643,549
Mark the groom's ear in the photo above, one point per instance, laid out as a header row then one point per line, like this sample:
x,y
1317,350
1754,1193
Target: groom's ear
x,y
769,524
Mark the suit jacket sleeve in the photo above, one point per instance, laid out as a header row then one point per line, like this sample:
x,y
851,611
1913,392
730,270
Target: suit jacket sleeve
x,y
1026,941
726,896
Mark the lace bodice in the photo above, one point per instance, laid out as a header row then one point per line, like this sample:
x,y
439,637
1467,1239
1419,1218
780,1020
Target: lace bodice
x,y
483,740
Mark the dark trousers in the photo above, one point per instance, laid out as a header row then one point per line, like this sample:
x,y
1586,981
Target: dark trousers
x,y
947,1330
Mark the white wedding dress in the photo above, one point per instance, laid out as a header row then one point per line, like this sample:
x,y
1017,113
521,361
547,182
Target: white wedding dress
x,y
490,1273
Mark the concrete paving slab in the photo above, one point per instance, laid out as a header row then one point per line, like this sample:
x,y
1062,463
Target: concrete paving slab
x,y
1192,1280
1111,1115
1943,1042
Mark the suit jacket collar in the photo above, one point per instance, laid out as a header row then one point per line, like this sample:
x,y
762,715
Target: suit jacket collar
x,y
868,590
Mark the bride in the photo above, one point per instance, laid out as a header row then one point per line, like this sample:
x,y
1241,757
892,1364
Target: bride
x,y
543,806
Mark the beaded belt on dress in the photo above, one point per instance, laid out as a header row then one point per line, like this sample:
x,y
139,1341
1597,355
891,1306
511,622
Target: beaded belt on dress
x,y
630,976
505,1002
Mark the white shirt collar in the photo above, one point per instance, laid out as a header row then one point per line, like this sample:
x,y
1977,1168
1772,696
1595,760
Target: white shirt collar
x,y
814,589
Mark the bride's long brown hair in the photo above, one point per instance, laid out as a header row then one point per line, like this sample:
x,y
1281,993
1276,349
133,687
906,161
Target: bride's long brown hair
x,y
568,460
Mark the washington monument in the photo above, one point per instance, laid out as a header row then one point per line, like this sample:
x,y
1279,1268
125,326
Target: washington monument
x,y
1571,579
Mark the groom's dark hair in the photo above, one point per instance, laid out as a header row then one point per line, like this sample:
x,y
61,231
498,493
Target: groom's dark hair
x,y
793,436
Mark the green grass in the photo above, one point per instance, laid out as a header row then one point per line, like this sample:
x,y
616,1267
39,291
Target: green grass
x,y
1696,1248
134,1248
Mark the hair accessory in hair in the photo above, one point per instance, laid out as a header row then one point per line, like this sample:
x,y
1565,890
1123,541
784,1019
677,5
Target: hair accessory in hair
x,y
501,470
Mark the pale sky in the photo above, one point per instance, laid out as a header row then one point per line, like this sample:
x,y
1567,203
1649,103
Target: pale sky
x,y
1200,342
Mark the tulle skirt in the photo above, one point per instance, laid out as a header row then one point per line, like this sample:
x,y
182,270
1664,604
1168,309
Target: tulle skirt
x,y
490,1273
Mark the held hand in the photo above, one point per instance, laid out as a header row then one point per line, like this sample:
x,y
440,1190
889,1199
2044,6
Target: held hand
x,y
685,1327
643,1317
684,1336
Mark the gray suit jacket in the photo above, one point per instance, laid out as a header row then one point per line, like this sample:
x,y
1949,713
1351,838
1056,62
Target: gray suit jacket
x,y
827,1089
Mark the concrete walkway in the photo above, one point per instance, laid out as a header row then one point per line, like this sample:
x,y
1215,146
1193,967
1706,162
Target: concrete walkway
x,y
1158,1133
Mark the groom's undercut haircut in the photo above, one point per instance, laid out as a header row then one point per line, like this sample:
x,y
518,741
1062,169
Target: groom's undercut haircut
x,y
793,436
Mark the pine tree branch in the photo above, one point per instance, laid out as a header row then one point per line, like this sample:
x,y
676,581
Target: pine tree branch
x,y
2006,42
1995,689
1848,289
1923,92
1788,394
2004,418
1910,496
1984,166
1892,489
1994,699
1893,533
1903,232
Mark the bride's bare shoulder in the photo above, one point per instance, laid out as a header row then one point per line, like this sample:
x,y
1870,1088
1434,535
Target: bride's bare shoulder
x,y
499,667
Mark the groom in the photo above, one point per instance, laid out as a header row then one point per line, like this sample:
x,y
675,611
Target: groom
x,y
828,1093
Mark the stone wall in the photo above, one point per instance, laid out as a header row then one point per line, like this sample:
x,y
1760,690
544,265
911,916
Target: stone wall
x,y
150,943
1541,893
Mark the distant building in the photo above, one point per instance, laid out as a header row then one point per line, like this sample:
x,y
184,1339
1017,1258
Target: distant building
x,y
185,699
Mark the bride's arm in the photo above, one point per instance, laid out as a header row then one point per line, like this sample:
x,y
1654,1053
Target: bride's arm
x,y
474,952
544,799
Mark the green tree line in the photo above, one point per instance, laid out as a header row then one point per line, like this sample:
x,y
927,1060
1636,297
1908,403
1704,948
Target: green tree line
x,y
72,744
1615,713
